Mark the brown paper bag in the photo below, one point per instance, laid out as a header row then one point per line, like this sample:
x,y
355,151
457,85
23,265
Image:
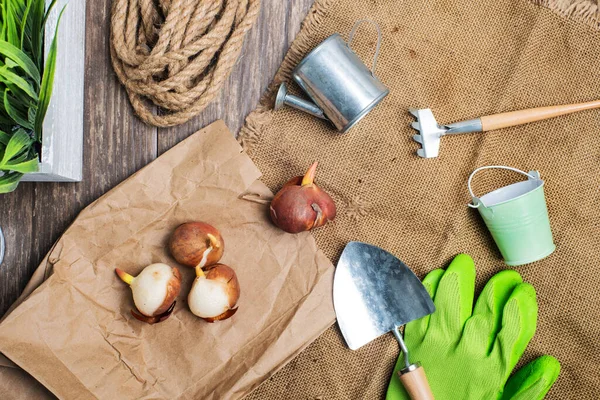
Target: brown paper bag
x,y
75,333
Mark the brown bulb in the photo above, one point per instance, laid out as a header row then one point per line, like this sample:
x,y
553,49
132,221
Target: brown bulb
x,y
301,205
214,294
196,243
154,291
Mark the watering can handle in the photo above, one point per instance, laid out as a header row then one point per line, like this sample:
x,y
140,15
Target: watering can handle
x,y
377,47
476,205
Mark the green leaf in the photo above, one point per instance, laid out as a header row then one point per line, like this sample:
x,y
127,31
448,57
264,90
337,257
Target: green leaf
x,y
9,182
4,27
19,142
24,20
12,34
37,32
23,167
48,11
6,122
4,138
29,32
31,113
21,59
14,113
18,99
47,82
10,63
21,83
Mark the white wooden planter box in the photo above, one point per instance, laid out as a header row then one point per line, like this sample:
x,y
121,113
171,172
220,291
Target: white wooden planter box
x,y
62,135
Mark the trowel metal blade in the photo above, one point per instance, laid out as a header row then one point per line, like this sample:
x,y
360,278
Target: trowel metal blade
x,y
374,292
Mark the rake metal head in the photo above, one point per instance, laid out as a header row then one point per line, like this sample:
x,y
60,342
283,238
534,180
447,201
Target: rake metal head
x,y
430,132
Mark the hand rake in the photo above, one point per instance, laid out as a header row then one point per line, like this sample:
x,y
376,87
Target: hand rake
x,y
431,132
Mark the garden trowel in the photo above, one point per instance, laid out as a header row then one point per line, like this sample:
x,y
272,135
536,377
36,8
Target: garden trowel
x,y
375,293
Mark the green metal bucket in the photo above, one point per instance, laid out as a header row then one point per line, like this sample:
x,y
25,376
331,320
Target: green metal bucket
x,y
517,217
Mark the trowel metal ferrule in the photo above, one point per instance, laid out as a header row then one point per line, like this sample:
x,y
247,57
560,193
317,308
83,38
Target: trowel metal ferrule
x,y
468,126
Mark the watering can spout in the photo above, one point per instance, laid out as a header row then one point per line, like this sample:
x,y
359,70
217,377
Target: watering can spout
x,y
284,98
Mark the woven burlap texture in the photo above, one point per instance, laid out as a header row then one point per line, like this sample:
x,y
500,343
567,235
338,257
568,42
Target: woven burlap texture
x,y
463,59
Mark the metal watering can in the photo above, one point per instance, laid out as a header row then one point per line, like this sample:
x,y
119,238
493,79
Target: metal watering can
x,y
342,89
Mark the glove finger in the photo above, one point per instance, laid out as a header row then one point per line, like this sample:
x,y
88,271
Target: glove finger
x,y
454,298
533,381
395,389
483,326
519,320
414,332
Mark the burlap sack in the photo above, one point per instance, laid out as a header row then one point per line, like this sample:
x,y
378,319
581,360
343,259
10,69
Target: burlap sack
x,y
463,59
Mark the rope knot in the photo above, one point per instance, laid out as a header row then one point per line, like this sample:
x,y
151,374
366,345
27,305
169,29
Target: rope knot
x,y
176,54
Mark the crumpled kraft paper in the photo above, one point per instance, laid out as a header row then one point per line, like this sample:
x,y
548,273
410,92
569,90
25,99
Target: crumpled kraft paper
x,y
75,333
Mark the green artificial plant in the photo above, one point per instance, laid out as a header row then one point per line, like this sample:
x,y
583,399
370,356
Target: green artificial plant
x,y
25,86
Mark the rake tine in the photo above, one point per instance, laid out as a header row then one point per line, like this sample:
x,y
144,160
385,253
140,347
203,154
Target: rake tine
x,y
413,111
416,125
418,138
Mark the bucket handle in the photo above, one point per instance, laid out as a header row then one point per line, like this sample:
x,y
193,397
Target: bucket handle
x,y
377,47
532,175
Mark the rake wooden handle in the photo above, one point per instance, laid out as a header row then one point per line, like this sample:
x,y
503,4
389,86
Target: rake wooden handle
x,y
504,120
416,385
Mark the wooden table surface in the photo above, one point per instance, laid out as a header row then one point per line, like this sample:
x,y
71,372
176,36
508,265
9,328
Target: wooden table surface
x,y
117,144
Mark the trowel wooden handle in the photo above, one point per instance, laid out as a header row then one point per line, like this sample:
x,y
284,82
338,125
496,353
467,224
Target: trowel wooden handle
x,y
416,385
504,120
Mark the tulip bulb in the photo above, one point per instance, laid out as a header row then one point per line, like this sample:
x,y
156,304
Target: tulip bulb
x,y
190,242
301,205
154,291
214,293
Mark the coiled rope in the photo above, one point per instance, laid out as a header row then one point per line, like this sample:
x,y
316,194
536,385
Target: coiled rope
x,y
177,54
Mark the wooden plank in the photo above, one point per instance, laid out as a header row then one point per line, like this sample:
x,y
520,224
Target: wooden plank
x,y
264,49
116,144
16,220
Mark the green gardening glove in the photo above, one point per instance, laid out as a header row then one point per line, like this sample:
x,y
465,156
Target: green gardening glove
x,y
469,353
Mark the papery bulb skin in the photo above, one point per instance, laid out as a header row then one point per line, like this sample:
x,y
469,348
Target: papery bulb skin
x,y
214,294
189,242
301,205
154,291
